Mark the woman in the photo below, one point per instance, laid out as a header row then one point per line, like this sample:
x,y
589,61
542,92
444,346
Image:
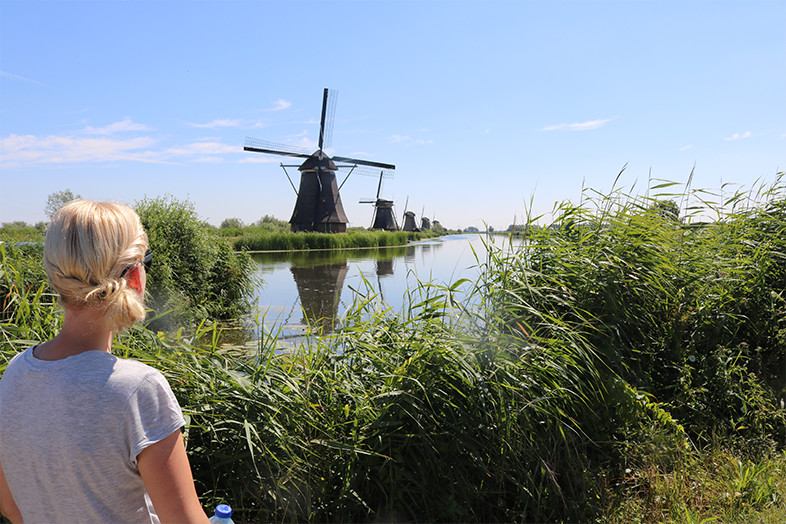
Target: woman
x,y
86,436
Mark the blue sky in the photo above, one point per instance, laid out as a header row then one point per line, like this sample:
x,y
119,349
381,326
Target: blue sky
x,y
485,107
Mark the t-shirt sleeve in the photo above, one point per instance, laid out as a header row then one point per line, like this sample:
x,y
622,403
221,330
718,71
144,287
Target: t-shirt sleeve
x,y
153,414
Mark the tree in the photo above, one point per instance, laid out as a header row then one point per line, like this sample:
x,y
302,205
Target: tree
x,y
667,209
271,223
57,200
231,223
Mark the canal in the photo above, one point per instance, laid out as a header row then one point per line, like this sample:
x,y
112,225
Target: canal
x,y
296,287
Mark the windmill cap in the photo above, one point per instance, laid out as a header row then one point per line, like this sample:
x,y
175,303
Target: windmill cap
x,y
313,162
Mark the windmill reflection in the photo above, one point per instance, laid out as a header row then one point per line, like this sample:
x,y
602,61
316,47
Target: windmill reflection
x,y
319,279
319,288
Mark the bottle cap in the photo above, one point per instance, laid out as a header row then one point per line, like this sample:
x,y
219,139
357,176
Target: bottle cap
x,y
223,511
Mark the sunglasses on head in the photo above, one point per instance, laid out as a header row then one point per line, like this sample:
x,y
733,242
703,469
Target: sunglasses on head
x,y
147,261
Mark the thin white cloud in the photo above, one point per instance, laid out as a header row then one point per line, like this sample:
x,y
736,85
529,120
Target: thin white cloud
x,y
280,105
258,159
105,144
738,136
579,126
124,125
10,76
18,150
219,122
397,139
685,148
302,141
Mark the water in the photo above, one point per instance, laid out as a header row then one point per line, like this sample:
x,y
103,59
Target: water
x,y
319,285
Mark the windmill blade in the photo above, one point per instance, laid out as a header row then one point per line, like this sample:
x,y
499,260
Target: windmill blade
x,y
322,118
329,98
363,162
263,146
379,186
372,172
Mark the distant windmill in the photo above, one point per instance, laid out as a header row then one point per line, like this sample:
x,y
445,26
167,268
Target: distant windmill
x,y
383,210
408,219
409,222
318,206
425,223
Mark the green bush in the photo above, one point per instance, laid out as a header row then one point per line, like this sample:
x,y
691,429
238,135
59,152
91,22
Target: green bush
x,y
22,232
195,274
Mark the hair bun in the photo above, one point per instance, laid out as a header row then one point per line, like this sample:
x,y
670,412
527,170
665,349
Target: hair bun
x,y
107,292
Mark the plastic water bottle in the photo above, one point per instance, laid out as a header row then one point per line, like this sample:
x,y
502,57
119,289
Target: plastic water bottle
x,y
223,515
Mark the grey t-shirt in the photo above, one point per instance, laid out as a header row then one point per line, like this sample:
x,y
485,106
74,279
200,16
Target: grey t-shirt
x,y
70,433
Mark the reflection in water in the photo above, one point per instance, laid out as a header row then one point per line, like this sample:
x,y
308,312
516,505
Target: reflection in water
x,y
319,289
384,267
314,287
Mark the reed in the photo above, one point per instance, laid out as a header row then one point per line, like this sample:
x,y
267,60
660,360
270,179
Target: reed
x,y
304,241
395,416
28,308
592,374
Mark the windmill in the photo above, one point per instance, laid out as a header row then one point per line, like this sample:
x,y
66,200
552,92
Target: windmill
x,y
409,219
318,206
425,223
383,210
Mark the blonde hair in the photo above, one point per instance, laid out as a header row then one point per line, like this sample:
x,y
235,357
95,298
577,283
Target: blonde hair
x,y
87,247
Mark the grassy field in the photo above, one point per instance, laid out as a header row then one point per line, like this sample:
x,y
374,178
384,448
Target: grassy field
x,y
624,365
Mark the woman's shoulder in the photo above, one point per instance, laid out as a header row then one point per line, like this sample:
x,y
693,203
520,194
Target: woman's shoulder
x,y
15,366
135,368
115,373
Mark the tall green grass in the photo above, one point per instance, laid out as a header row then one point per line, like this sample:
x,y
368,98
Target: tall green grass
x,y
28,310
690,312
630,347
304,241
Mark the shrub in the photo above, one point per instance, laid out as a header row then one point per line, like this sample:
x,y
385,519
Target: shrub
x,y
22,232
195,274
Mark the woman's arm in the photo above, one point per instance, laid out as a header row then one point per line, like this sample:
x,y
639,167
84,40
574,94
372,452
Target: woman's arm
x,y
8,506
167,476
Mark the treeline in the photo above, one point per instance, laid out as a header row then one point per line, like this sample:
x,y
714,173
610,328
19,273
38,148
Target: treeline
x,y
271,234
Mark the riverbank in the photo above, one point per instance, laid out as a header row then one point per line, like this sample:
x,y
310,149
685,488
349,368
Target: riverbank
x,y
287,241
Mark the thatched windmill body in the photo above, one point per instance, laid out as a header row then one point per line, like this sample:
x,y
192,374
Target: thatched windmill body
x,y
318,206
